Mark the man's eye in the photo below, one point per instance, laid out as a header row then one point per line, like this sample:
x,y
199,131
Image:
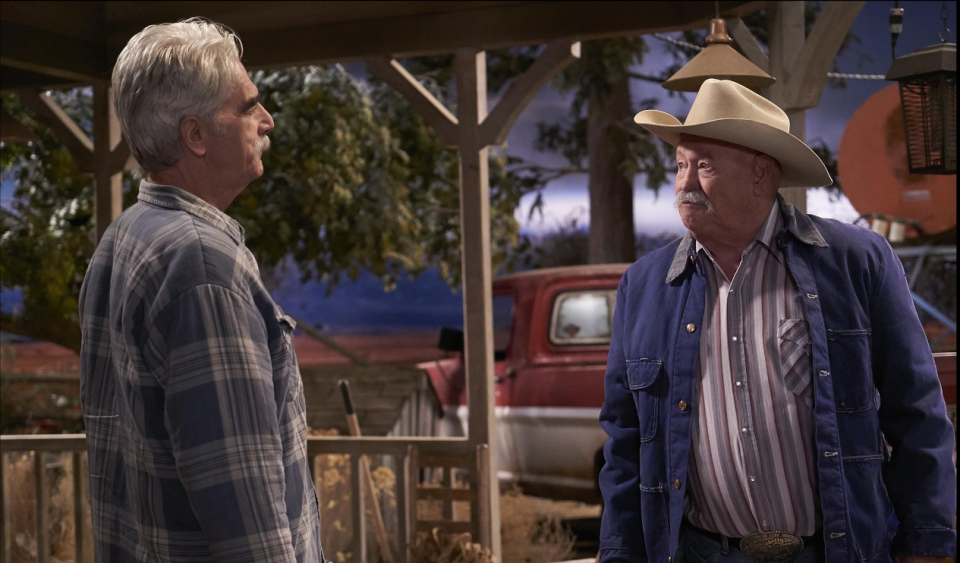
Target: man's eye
x,y
704,165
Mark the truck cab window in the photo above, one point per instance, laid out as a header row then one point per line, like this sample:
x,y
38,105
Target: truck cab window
x,y
582,317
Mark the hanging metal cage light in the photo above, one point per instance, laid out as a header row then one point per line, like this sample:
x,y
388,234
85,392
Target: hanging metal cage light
x,y
928,98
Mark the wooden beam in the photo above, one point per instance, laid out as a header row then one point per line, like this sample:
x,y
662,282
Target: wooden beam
x,y
13,79
66,131
43,52
807,80
748,44
108,178
557,55
430,108
491,26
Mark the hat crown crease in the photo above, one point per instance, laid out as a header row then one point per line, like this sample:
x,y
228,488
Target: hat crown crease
x,y
725,102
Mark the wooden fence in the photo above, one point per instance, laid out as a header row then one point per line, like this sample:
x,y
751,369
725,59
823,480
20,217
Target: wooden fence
x,y
410,453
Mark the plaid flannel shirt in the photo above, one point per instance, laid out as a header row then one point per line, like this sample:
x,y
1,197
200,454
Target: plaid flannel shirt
x,y
191,394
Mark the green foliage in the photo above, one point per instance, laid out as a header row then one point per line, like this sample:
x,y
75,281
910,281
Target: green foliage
x,y
355,180
47,233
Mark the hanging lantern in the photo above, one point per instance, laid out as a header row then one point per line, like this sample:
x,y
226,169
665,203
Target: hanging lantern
x,y
718,60
928,98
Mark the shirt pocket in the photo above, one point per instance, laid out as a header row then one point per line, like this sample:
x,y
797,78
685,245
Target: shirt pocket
x,y
796,365
291,370
643,379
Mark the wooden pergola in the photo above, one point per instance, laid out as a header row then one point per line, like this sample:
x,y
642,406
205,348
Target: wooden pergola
x,y
53,45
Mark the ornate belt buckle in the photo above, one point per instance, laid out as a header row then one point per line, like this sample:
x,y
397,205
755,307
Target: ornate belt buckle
x,y
771,547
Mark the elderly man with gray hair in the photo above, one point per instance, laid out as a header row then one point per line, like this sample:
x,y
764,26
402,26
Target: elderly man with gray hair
x,y
191,394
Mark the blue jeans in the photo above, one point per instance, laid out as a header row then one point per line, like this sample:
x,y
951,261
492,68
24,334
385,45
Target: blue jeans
x,y
697,548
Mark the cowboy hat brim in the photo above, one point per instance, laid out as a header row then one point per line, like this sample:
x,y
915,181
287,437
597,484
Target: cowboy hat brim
x,y
800,166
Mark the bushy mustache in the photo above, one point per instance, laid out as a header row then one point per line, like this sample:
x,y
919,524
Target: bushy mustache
x,y
261,145
698,198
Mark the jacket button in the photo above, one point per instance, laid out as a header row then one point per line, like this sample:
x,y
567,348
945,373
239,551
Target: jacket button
x,y
691,327
683,405
676,484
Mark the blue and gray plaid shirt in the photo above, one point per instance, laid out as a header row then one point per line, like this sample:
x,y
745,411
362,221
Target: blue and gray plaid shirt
x,y
191,394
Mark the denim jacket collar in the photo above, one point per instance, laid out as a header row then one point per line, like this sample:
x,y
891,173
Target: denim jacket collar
x,y
172,197
796,222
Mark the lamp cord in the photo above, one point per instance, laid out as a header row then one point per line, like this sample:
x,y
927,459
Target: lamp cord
x,y
896,27
944,15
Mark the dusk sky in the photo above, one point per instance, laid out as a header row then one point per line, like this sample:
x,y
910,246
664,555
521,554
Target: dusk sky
x,y
428,303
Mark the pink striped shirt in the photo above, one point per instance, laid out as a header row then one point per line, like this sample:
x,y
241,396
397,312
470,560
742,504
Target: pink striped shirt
x,y
751,466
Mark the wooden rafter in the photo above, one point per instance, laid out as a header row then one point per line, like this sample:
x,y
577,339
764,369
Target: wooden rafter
x,y
748,44
67,132
429,107
809,76
496,126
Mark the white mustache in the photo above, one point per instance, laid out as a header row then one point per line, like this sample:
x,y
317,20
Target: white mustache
x,y
261,145
698,198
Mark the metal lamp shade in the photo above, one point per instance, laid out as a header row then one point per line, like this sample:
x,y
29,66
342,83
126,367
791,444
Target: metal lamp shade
x,y
718,60
928,98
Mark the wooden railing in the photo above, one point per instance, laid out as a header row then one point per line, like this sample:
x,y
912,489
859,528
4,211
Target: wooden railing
x,y
410,453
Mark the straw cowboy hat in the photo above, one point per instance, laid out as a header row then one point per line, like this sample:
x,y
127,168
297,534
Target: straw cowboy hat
x,y
727,111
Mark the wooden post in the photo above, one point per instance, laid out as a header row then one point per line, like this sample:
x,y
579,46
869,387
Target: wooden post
x,y
77,508
799,63
359,509
5,533
108,176
472,131
43,498
407,485
786,29
471,73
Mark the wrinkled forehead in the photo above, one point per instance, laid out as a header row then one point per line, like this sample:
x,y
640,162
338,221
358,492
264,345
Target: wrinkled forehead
x,y
690,145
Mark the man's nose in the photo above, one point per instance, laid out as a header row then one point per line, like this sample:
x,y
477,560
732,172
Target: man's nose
x,y
687,182
267,122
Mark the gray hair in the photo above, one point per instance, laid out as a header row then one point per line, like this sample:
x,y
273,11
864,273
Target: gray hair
x,y
168,72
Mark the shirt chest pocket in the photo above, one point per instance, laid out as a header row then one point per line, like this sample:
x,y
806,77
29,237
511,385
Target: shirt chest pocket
x,y
644,380
796,365
286,360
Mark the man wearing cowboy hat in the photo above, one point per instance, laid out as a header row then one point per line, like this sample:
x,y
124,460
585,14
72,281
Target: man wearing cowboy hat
x,y
760,366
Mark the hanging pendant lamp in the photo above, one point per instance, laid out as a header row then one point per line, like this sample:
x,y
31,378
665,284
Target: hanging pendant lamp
x,y
718,60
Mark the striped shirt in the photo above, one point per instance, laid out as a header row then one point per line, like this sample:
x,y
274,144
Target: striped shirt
x,y
751,466
191,395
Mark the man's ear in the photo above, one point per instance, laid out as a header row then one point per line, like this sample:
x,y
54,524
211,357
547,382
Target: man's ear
x,y
763,174
194,134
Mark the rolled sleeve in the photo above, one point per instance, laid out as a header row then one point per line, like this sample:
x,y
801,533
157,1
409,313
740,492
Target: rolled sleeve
x,y
221,415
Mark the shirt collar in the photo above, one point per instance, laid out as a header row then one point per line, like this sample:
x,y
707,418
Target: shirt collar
x,y
172,197
765,236
797,223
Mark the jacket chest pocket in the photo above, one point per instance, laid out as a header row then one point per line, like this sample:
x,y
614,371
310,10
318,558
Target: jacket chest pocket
x,y
643,379
851,367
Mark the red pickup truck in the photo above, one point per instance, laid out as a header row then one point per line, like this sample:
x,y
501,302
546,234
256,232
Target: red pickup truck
x,y
551,335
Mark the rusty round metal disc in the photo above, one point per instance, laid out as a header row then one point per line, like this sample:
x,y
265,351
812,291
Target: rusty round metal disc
x,y
873,170
771,547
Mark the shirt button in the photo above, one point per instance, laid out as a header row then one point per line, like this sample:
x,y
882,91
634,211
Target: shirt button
x,y
739,384
676,484
734,338
691,327
683,405
744,430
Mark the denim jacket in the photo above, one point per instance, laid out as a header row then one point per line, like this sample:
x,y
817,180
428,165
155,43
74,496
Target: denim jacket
x,y
874,383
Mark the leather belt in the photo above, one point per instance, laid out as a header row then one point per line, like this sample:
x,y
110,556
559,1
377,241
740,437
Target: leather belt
x,y
764,547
